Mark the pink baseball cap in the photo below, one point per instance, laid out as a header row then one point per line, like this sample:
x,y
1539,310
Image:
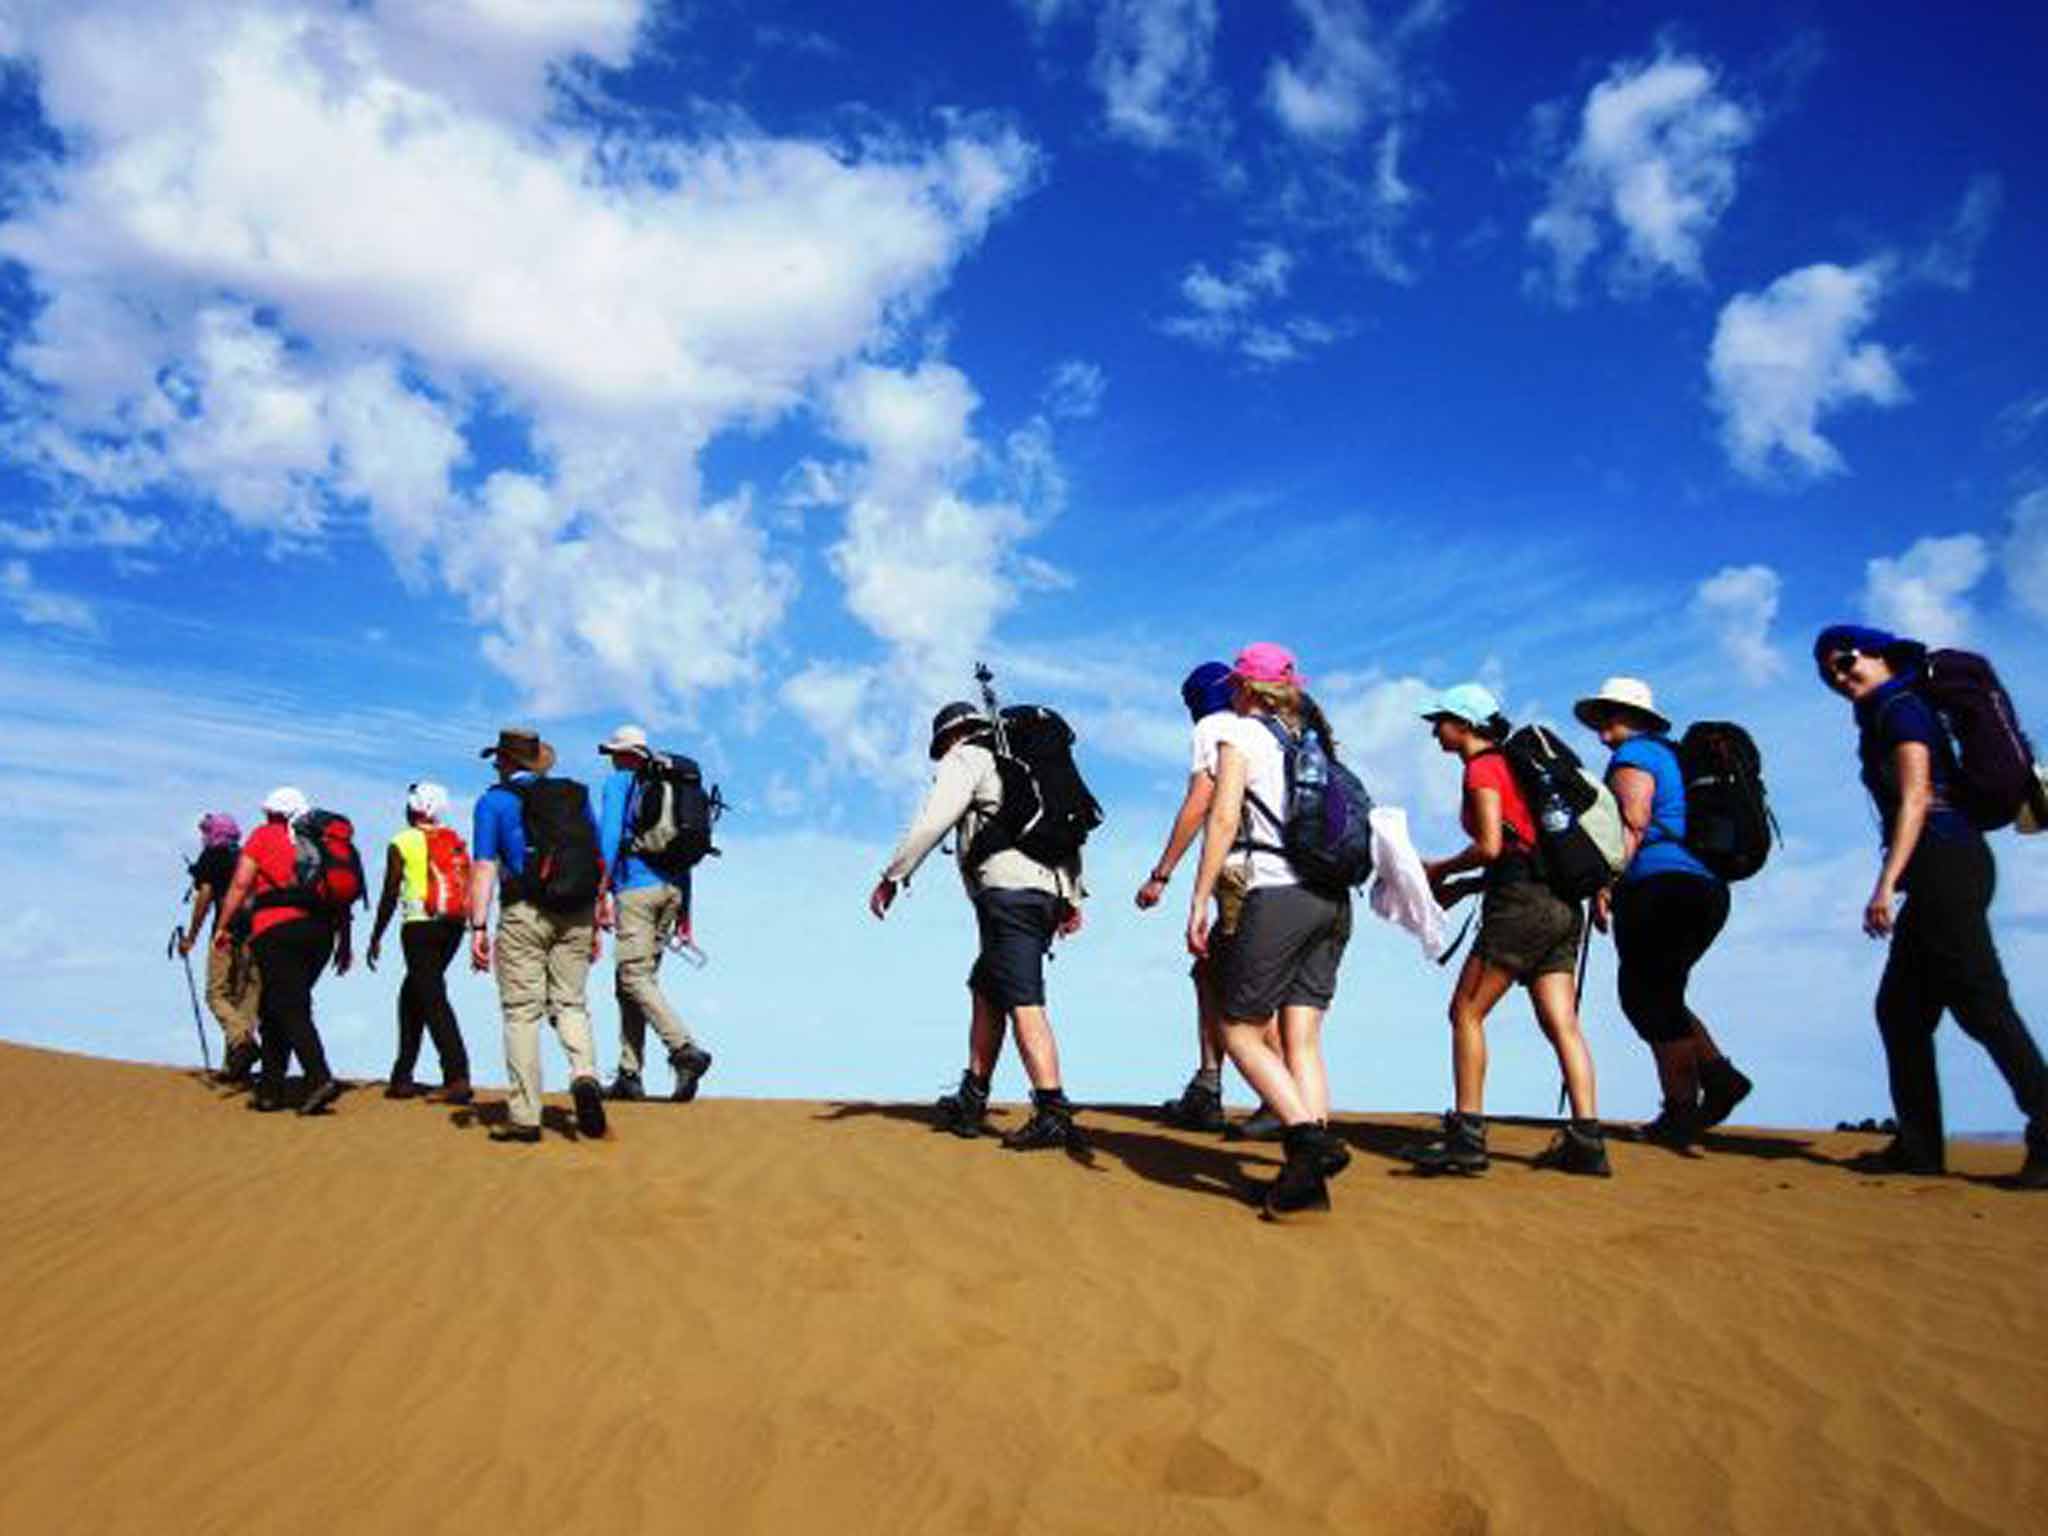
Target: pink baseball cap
x,y
1265,662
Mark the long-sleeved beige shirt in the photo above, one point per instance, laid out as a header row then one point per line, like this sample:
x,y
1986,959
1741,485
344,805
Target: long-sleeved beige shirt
x,y
966,792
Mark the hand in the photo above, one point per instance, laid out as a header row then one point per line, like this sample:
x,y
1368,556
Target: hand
x,y
376,948
1070,924
344,957
185,942
479,949
596,944
607,912
1877,916
1150,892
223,941
880,898
1603,909
1198,932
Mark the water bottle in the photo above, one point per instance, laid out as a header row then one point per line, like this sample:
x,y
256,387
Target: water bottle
x,y
1552,814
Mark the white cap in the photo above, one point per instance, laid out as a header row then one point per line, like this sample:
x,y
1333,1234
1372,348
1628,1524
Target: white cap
x,y
627,738
426,800
287,802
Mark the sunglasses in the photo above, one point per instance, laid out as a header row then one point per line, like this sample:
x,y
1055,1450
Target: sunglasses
x,y
1842,663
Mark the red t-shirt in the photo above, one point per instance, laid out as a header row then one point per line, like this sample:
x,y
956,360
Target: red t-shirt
x,y
277,860
1490,770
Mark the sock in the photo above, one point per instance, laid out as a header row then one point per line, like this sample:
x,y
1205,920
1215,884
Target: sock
x,y
1210,1078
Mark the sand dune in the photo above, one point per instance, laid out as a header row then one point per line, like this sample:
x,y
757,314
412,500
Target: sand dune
x,y
792,1317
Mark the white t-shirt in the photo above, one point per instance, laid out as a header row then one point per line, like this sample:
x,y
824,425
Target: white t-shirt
x,y
1266,777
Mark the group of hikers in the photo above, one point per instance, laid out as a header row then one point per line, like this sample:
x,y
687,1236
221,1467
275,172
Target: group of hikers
x,y
1646,850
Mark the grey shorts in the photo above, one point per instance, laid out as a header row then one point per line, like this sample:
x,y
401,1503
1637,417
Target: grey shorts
x,y
1016,933
1528,931
1285,952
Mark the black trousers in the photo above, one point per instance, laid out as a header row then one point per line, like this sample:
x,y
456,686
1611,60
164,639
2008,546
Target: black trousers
x,y
1942,958
423,1006
1662,925
290,958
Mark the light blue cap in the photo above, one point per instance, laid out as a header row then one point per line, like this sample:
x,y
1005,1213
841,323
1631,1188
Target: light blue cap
x,y
1467,702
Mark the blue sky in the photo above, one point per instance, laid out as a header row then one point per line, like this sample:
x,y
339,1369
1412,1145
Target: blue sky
x,y
377,373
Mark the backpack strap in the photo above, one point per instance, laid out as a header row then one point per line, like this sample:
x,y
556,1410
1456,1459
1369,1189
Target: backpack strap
x,y
1288,747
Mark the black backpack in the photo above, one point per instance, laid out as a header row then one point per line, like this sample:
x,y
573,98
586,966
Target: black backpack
x,y
563,868
1728,822
1325,832
673,815
1579,841
1047,810
1996,777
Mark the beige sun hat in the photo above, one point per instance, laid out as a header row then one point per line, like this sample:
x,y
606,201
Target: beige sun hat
x,y
627,738
1625,693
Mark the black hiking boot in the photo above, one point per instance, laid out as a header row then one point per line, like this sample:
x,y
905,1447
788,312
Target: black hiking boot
x,y
1199,1108
517,1135
1302,1184
266,1100
1722,1087
1051,1124
1580,1147
626,1088
2033,1172
1677,1126
1460,1149
1332,1155
1902,1154
401,1088
239,1065
589,1098
1261,1126
691,1063
964,1111
321,1096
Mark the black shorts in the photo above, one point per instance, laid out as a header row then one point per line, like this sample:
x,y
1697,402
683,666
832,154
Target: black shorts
x,y
1285,952
1016,934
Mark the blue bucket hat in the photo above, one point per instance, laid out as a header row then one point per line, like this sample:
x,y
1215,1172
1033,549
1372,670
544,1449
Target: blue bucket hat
x,y
1206,690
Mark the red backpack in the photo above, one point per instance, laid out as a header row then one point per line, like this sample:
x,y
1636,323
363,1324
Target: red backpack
x,y
327,872
447,873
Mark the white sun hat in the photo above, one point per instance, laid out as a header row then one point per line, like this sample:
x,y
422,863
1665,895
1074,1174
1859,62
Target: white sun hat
x,y
1624,693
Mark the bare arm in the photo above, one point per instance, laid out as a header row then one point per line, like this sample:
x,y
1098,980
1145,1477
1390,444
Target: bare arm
x,y
1219,836
387,902
238,898
483,883
1636,793
1187,822
1915,770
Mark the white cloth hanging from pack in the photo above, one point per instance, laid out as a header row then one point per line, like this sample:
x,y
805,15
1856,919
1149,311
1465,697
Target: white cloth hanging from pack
x,y
1400,887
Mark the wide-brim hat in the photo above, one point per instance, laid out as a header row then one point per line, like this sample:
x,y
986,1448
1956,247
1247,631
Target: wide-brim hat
x,y
627,738
522,749
953,720
1626,695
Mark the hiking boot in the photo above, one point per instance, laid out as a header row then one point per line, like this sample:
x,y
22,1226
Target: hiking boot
x,y
1262,1126
1051,1124
519,1135
1677,1126
626,1088
964,1111
321,1096
589,1097
1302,1184
1460,1149
1722,1087
266,1101
1332,1155
2033,1172
396,1089
691,1063
1901,1155
239,1065
1199,1108
1579,1147
451,1093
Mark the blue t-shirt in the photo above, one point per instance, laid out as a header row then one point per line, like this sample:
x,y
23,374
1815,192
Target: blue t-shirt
x,y
1662,850
1895,713
628,873
498,834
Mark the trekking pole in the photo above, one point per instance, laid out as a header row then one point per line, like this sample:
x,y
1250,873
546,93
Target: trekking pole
x,y
987,679
191,991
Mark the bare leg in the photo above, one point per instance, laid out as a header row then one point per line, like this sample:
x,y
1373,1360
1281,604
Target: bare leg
x,y
984,1038
1036,1045
1251,1051
1302,1030
1557,1010
1480,987
1209,1020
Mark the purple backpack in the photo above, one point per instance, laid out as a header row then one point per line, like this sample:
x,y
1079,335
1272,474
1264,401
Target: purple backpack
x,y
1995,758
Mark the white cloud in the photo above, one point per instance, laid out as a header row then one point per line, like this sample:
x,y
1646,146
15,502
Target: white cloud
x,y
1924,593
1340,80
1075,390
39,608
2018,421
1655,161
79,524
1784,358
1950,260
1231,311
2026,553
1152,67
1738,604
219,323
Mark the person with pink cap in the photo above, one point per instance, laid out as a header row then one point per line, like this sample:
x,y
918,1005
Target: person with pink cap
x,y
233,991
1290,936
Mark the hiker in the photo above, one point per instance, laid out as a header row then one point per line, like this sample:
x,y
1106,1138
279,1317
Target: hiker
x,y
293,935
1290,938
1665,912
1527,934
1206,692
536,838
1020,904
232,986
426,873
646,908
1942,954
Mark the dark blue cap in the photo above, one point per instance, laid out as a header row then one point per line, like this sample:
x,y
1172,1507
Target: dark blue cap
x,y
1206,690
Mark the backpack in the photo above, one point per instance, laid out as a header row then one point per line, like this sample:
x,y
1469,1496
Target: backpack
x,y
1047,810
447,873
1997,774
1579,841
563,867
1728,822
1325,833
327,872
673,815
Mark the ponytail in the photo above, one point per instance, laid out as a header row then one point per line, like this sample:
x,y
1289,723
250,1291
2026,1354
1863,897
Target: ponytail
x,y
1496,729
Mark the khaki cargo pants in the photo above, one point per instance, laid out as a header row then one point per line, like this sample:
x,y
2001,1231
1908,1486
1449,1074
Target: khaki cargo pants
x,y
232,991
543,962
646,920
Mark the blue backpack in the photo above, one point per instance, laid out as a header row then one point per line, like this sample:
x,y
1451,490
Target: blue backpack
x,y
1325,832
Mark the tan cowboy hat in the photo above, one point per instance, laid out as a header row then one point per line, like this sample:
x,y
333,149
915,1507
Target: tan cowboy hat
x,y
1629,694
522,748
